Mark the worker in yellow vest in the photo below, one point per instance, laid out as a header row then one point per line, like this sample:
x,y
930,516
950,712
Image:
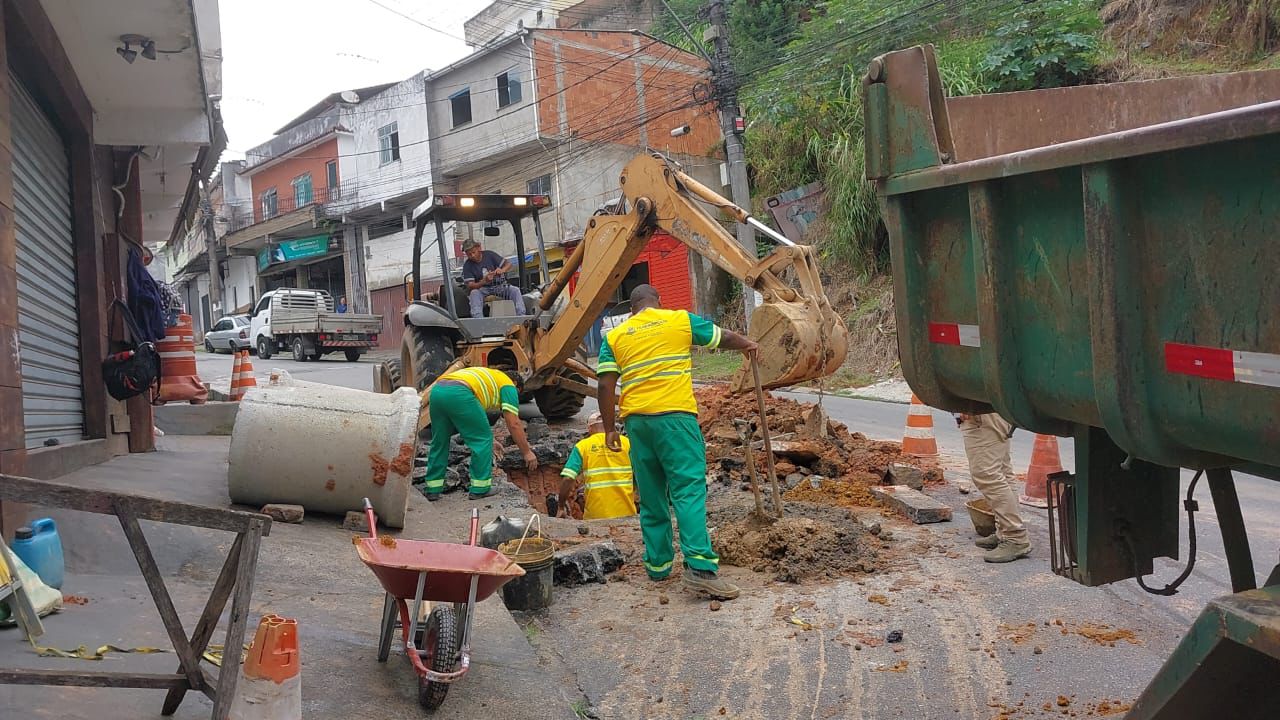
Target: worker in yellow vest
x,y
608,486
459,403
650,354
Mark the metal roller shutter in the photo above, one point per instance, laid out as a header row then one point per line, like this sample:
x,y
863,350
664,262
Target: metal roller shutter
x,y
48,320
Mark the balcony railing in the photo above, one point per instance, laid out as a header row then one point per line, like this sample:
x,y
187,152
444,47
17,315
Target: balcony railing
x,y
265,207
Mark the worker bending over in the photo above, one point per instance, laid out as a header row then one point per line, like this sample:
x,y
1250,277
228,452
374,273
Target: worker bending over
x,y
650,353
608,485
459,403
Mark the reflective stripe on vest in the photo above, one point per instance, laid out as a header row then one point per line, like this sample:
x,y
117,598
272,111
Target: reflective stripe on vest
x,y
486,383
655,366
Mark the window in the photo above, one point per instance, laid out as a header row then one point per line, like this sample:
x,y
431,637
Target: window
x,y
540,185
223,324
508,88
302,194
263,304
388,144
460,103
331,177
241,320
269,204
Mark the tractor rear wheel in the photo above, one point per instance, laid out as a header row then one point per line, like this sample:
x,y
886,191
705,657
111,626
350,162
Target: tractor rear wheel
x,y
425,353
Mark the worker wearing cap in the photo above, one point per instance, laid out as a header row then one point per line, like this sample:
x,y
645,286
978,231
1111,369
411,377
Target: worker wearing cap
x,y
459,403
608,485
650,354
485,273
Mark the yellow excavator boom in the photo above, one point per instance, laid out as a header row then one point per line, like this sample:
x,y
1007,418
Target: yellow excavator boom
x,y
801,337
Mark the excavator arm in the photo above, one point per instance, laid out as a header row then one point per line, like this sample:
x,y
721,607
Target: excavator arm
x,y
800,336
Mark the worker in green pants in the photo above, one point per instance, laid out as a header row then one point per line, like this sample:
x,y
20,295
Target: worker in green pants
x,y
650,354
459,403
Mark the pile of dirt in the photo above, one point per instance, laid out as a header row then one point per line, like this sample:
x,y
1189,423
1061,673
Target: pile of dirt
x,y
810,542
849,463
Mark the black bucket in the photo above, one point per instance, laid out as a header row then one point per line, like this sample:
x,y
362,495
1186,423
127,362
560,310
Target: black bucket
x,y
532,591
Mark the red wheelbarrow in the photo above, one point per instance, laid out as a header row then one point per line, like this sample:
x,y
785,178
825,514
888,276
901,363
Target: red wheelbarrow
x,y
451,577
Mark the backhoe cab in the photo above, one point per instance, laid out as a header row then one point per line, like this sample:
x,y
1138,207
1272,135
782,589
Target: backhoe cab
x,y
440,332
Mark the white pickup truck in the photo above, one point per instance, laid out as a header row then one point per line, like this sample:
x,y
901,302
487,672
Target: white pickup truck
x,y
303,321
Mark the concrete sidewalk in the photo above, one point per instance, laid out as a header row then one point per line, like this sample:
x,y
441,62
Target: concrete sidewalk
x,y
307,571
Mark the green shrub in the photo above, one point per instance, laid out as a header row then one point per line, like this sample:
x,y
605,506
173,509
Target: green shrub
x,y
1049,43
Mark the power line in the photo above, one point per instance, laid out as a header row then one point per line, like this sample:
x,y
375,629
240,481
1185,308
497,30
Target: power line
x,y
590,77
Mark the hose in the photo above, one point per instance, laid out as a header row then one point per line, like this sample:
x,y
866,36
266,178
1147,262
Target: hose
x,y
1172,588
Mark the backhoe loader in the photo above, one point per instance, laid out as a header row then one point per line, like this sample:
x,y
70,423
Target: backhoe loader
x,y
800,336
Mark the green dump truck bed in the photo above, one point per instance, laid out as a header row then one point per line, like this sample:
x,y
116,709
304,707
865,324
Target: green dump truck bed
x,y
1103,255
1101,262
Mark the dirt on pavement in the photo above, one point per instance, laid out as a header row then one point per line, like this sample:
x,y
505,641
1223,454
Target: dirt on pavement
x,y
810,542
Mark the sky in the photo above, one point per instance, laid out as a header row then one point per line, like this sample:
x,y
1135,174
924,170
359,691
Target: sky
x,y
280,57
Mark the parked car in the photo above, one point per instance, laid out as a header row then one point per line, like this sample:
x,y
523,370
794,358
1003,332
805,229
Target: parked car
x,y
230,334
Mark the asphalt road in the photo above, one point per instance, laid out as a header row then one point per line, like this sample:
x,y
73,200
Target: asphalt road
x,y
331,369
957,611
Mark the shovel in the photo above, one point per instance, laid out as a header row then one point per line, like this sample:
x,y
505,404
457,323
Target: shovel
x,y
764,434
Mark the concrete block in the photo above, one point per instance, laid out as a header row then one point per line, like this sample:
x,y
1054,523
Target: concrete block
x,y
355,521
284,513
211,418
900,474
917,506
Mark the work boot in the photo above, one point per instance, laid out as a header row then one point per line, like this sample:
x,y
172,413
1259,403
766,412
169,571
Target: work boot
x,y
480,495
708,583
987,543
432,497
1007,551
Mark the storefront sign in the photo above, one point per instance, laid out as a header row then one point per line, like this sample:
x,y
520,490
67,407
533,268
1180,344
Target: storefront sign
x,y
288,250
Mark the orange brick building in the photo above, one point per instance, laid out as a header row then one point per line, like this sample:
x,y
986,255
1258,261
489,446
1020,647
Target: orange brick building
x,y
560,112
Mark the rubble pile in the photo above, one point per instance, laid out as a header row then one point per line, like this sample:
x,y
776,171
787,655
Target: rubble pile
x,y
810,542
805,444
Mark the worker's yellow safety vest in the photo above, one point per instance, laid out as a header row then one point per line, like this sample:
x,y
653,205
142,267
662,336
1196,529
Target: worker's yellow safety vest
x,y
655,366
607,479
487,384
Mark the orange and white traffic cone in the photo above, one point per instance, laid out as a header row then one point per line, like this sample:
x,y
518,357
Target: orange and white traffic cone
x,y
247,378
270,686
1045,460
917,438
235,392
178,378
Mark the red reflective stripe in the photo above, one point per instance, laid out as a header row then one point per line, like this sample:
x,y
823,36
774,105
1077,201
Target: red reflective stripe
x,y
944,333
1199,361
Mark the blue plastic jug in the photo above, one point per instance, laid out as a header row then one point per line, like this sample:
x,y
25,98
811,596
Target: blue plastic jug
x,y
41,549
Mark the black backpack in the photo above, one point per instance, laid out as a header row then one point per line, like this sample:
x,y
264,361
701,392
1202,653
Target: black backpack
x,y
136,367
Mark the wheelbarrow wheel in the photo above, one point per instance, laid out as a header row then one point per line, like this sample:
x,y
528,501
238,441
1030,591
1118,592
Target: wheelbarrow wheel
x,y
389,617
439,639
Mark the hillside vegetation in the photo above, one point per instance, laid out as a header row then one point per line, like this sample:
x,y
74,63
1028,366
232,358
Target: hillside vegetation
x,y
801,65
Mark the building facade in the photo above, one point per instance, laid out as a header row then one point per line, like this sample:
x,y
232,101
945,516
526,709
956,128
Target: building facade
x,y
386,175
561,112
101,154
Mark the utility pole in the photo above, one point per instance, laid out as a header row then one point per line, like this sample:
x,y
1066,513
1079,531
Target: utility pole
x,y
211,249
725,82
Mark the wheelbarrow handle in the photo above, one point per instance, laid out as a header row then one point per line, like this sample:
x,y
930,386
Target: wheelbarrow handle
x,y
371,518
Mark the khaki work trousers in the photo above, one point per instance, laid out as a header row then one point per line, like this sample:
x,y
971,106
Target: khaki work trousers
x,y
986,444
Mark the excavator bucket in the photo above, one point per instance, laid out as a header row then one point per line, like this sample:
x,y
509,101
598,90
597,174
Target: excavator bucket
x,y
800,336
797,342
